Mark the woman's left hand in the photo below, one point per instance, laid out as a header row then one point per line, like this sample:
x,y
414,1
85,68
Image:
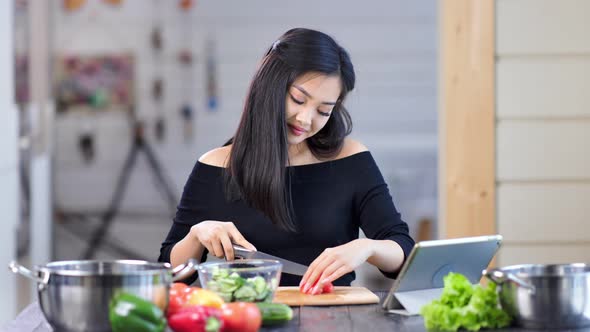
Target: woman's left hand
x,y
334,263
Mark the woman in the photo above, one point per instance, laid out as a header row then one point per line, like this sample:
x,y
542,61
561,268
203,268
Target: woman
x,y
289,182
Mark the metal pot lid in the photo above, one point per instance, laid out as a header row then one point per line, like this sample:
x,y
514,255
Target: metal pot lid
x,y
547,270
104,268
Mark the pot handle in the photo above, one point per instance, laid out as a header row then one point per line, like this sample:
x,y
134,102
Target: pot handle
x,y
184,270
500,277
19,269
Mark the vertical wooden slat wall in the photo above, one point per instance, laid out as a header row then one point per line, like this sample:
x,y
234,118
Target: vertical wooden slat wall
x,y
467,164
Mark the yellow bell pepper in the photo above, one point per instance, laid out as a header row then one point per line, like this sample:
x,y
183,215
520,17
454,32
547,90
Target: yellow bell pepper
x,y
200,296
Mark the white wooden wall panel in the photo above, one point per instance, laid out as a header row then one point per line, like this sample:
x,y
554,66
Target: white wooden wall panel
x,y
542,27
546,253
543,130
543,150
543,87
544,212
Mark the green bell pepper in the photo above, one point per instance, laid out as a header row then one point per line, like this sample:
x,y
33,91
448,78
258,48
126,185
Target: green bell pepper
x,y
130,313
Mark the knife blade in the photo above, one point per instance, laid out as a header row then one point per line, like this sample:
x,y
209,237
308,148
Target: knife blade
x,y
288,266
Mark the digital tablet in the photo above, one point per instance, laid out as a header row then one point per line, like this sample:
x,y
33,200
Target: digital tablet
x,y
421,277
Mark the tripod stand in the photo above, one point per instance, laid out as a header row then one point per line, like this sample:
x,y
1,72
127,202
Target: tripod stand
x,y
139,144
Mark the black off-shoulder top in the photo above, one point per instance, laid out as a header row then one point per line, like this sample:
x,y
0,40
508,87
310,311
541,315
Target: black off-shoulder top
x,y
331,200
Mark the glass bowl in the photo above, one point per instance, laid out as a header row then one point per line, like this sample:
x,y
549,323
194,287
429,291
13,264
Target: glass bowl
x,y
243,280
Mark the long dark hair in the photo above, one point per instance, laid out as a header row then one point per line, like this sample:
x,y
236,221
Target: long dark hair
x,y
257,171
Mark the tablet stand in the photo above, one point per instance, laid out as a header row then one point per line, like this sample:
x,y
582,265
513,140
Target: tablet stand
x,y
410,302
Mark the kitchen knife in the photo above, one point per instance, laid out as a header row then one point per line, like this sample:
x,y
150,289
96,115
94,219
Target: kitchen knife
x,y
288,266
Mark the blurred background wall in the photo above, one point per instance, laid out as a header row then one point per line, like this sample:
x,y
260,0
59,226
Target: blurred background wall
x,y
9,170
392,44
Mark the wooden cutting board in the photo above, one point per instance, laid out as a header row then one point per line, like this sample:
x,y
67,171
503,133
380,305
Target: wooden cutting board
x,y
341,296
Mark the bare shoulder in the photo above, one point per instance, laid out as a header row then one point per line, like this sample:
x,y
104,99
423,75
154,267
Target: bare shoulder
x,y
351,147
216,157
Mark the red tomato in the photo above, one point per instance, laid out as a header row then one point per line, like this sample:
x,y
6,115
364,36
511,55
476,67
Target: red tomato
x,y
310,288
177,288
328,288
177,297
241,317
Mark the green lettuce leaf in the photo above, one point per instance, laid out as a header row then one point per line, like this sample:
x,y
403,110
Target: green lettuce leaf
x,y
457,290
462,305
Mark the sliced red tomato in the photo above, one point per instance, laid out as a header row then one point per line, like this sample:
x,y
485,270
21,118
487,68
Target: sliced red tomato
x,y
328,288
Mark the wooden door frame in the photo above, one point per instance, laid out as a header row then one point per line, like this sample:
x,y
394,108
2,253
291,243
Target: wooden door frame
x,y
467,195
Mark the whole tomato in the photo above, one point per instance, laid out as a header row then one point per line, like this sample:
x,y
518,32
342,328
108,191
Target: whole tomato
x,y
177,297
241,317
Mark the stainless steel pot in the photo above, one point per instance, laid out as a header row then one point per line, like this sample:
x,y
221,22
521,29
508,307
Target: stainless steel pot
x,y
75,295
545,296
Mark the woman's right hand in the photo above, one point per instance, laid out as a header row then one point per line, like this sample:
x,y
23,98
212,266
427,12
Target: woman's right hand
x,y
218,236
